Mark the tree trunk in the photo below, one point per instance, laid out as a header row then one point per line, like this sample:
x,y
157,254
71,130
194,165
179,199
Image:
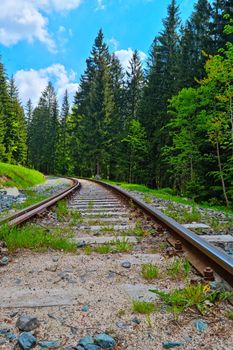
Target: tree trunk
x,y
221,175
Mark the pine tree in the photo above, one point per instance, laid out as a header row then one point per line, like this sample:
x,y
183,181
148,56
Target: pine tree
x,y
43,132
17,127
220,8
202,45
162,84
92,110
62,148
134,85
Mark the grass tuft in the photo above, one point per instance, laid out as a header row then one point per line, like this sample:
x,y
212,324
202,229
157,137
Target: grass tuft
x,y
143,307
149,271
178,268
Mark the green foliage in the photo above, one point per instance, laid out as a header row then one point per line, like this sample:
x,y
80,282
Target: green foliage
x,y
36,238
178,268
63,212
229,314
116,246
196,296
143,307
149,271
19,176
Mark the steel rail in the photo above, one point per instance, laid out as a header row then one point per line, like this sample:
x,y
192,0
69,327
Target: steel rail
x,y
218,260
27,213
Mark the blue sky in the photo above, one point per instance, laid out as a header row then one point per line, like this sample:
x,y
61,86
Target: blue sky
x,y
43,40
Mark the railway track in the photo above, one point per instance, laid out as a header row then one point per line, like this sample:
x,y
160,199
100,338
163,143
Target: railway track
x,y
116,235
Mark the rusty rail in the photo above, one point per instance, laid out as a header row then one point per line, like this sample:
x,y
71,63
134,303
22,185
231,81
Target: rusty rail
x,y
203,253
27,213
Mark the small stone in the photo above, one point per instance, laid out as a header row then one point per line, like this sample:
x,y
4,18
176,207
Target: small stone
x,y
105,341
86,340
79,347
13,314
4,331
188,339
136,320
27,323
11,336
55,258
171,344
85,308
81,244
49,344
126,264
2,341
121,325
26,341
52,268
201,326
4,261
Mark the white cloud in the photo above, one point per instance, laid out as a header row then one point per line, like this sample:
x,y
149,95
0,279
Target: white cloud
x,y
32,82
114,43
26,20
100,5
126,55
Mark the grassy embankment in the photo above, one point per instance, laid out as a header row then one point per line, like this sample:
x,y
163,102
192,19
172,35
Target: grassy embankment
x,y
18,176
30,236
167,194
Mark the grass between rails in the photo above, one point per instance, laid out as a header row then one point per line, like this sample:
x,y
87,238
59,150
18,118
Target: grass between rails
x,y
36,238
64,213
116,246
167,194
19,176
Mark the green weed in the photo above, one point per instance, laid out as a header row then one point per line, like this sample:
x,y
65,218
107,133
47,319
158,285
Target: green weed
x,y
143,307
178,268
147,199
103,248
195,296
229,314
35,237
90,205
149,271
122,245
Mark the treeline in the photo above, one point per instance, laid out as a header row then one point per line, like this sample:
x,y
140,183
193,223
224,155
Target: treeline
x,y
169,125
13,147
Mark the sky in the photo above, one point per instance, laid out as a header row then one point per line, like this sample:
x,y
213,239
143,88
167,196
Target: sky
x,y
49,40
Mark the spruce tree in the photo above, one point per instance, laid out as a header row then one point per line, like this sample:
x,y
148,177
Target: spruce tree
x,y
162,84
62,148
43,132
134,85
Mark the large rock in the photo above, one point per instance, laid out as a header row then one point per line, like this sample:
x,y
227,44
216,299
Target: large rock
x,y
26,341
85,341
105,341
27,323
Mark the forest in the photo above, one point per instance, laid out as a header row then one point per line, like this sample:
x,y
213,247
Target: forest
x,y
167,123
